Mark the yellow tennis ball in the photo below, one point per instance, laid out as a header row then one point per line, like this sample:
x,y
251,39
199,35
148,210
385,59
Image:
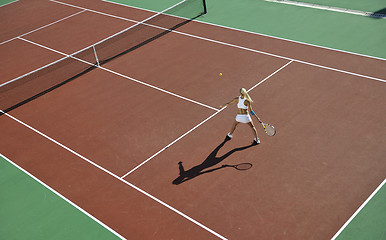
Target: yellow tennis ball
x,y
220,74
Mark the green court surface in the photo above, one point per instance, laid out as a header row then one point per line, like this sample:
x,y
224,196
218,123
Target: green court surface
x,y
29,210
370,222
3,2
347,32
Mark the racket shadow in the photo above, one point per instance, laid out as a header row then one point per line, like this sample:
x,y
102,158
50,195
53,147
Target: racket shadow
x,y
209,162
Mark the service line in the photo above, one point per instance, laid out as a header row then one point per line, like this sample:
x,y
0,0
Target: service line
x,y
234,45
183,135
107,70
37,29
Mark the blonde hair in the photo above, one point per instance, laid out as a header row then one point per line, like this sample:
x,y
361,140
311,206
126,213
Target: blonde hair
x,y
244,92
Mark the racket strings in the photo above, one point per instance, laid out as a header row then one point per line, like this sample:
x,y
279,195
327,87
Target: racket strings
x,y
269,129
243,166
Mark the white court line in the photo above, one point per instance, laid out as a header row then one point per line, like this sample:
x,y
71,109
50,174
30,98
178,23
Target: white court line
x,y
298,61
94,11
111,71
63,197
170,144
124,30
183,135
329,8
115,176
138,23
217,111
9,3
43,27
36,70
240,47
260,34
270,76
359,209
282,57
159,89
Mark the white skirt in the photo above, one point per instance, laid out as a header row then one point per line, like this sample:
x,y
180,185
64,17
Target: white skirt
x,y
243,118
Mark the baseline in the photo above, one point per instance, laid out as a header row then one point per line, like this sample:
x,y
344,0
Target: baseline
x,y
256,33
329,8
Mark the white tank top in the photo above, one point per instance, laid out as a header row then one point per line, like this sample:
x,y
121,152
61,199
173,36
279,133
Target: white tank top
x,y
241,104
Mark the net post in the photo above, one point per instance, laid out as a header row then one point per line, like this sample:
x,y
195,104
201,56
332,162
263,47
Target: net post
x,y
205,11
96,57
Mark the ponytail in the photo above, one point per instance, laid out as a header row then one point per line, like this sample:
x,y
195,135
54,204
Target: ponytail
x,y
244,92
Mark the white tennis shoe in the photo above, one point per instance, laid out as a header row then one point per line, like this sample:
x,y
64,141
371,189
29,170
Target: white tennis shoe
x,y
256,141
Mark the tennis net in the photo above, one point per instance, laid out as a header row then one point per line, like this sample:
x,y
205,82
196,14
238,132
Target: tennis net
x,y
28,87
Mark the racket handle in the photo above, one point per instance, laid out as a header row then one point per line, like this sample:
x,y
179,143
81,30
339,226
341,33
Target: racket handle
x,y
258,119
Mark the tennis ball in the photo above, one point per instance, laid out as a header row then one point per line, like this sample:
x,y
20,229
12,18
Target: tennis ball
x,y
220,74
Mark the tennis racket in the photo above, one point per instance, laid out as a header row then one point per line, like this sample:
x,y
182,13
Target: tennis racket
x,y
241,166
269,129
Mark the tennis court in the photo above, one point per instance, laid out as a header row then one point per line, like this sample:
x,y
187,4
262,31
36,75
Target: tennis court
x,y
104,104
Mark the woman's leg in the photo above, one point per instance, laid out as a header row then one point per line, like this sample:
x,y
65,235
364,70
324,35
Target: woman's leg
x,y
253,129
233,127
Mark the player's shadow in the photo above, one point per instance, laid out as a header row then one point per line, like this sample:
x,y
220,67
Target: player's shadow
x,y
210,161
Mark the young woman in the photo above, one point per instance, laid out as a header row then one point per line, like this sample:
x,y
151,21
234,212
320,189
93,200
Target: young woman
x,y
244,105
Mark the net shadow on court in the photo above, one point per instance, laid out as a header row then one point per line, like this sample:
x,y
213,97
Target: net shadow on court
x,y
26,88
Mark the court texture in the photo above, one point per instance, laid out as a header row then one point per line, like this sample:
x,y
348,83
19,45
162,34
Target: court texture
x,y
111,126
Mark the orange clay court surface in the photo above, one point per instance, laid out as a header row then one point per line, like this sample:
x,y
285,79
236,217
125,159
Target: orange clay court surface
x,y
111,139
